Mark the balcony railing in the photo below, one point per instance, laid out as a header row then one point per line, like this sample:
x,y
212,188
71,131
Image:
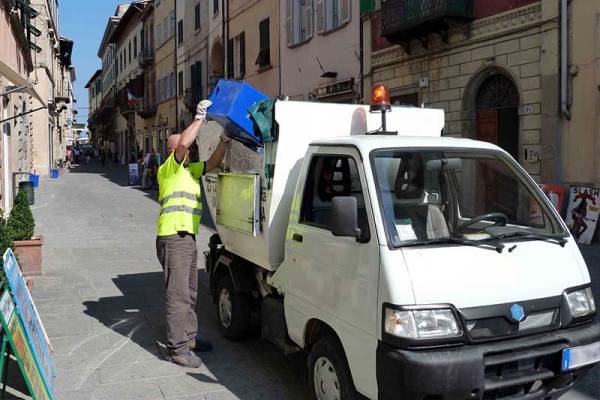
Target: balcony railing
x,y
145,108
146,57
403,20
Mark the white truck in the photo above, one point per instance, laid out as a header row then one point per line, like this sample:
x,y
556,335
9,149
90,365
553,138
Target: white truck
x,y
406,265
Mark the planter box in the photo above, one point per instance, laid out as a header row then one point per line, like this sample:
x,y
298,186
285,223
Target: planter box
x,y
29,255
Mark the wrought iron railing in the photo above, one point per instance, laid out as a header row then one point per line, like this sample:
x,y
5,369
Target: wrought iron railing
x,y
146,57
399,16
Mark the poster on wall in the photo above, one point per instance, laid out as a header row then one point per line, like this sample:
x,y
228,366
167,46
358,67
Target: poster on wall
x,y
133,174
582,212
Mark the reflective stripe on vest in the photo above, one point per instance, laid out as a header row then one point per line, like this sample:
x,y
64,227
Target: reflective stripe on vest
x,y
181,195
189,210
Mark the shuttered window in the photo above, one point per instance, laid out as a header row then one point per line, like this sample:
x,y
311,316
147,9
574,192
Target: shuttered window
x,y
299,21
196,78
230,71
180,82
264,53
180,32
332,14
197,16
242,52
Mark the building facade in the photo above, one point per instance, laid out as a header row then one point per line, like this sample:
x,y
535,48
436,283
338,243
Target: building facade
x,y
493,66
320,50
146,106
165,59
253,44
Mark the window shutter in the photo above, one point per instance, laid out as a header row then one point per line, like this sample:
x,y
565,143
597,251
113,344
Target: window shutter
x,y
193,86
320,6
345,11
199,80
289,22
180,32
230,63
242,54
197,16
180,83
308,19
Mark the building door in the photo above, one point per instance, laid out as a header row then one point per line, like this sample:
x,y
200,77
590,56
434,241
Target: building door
x,y
498,113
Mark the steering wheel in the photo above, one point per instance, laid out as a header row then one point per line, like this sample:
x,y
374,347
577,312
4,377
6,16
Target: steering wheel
x,y
496,217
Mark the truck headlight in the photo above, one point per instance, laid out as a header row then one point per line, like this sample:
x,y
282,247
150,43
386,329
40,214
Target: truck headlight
x,y
421,324
581,302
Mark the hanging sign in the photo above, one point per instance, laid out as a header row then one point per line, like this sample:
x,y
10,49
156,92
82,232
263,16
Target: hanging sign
x,y
16,338
582,213
35,334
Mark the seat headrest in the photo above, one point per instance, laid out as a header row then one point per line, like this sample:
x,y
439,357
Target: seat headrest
x,y
410,180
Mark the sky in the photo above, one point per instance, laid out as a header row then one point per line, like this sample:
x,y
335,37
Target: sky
x,y
84,21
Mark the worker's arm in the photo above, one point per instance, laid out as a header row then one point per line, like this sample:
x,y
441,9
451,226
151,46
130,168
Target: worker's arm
x,y
216,158
188,137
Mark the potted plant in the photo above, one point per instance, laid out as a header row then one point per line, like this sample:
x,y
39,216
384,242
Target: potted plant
x,y
20,227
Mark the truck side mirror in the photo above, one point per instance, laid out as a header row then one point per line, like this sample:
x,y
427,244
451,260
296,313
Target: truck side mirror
x,y
344,217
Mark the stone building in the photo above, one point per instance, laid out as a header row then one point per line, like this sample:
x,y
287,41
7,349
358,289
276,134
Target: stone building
x,y
146,106
493,66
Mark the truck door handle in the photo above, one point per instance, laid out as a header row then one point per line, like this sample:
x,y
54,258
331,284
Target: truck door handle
x,y
297,237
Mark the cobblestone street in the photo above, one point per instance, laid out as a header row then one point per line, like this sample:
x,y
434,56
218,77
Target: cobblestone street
x,y
100,300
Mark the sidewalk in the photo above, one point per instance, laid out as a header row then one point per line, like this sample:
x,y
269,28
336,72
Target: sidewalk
x,y
100,300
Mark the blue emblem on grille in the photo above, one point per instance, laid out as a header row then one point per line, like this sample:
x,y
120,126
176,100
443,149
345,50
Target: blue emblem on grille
x,y
517,312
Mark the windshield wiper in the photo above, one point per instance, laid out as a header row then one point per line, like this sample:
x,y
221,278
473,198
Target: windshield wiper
x,y
489,244
560,240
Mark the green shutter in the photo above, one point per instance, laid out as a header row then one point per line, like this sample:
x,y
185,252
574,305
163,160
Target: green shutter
x,y
366,6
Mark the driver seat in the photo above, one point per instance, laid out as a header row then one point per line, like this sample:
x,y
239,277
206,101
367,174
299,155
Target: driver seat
x,y
427,218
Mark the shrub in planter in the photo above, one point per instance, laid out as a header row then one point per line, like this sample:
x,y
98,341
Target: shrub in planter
x,y
5,235
20,226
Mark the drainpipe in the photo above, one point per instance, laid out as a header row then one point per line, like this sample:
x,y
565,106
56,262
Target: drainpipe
x,y
5,173
564,59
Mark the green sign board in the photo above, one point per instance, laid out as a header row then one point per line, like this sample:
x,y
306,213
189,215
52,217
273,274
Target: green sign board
x,y
15,336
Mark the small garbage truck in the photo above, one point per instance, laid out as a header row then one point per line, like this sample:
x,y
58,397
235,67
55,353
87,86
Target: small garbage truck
x,y
405,264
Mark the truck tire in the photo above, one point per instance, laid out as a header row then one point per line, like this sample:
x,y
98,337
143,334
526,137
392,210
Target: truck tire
x,y
328,372
233,310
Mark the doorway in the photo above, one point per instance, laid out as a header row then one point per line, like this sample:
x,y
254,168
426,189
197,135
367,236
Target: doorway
x,y
497,107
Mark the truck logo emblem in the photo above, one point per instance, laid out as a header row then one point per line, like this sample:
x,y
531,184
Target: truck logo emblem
x,y
517,312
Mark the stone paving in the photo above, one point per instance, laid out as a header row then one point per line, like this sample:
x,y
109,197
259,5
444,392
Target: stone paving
x,y
100,300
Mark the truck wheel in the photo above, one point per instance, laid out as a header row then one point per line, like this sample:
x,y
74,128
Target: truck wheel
x,y
328,372
233,310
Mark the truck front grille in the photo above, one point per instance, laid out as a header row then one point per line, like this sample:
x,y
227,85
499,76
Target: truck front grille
x,y
529,373
499,326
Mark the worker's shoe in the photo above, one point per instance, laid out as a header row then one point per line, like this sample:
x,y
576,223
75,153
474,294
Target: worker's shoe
x,y
187,359
201,346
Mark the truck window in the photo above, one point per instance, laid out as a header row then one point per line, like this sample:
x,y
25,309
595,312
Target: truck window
x,y
328,177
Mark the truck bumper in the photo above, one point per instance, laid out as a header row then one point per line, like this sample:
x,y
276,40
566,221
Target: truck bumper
x,y
525,368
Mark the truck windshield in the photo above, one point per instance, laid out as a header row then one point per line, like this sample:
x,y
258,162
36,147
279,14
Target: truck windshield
x,y
433,197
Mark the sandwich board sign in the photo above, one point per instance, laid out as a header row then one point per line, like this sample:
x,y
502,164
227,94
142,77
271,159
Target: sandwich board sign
x,y
15,337
27,330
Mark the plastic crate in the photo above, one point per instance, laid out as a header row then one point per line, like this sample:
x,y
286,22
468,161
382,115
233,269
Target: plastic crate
x,y
35,179
231,101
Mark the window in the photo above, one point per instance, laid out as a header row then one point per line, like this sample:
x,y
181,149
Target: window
x,y
332,14
172,84
197,16
329,177
165,30
159,91
158,34
230,61
264,55
180,32
135,47
215,6
120,63
180,82
172,23
124,58
299,21
130,52
236,56
196,80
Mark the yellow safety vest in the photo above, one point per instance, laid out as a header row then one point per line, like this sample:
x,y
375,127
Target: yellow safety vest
x,y
179,196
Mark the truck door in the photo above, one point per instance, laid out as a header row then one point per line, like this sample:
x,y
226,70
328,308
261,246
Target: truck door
x,y
335,279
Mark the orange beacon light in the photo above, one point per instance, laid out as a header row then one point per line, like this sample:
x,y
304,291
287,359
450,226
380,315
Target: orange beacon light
x,y
380,102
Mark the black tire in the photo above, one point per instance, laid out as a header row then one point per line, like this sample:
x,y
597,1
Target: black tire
x,y
328,349
236,327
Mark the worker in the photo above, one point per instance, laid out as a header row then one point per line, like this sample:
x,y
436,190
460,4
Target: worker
x,y
180,211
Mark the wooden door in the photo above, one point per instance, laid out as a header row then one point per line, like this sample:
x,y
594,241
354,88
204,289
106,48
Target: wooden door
x,y
487,126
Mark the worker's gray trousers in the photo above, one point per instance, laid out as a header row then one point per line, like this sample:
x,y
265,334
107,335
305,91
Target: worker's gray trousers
x,y
178,256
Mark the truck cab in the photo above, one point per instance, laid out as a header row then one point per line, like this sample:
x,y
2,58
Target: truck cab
x,y
406,266
439,266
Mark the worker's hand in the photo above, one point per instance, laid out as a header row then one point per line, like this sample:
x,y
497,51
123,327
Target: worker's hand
x,y
202,109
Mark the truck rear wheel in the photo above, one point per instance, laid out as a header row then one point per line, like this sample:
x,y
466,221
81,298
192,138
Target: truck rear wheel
x,y
233,310
328,373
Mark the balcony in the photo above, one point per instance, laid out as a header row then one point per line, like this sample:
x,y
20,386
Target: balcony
x,y
404,20
146,57
145,107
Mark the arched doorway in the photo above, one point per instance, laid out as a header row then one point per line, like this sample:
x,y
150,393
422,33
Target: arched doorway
x,y
216,68
497,107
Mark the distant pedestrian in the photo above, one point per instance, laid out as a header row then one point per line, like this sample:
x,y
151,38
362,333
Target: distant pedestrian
x,y
69,157
178,224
